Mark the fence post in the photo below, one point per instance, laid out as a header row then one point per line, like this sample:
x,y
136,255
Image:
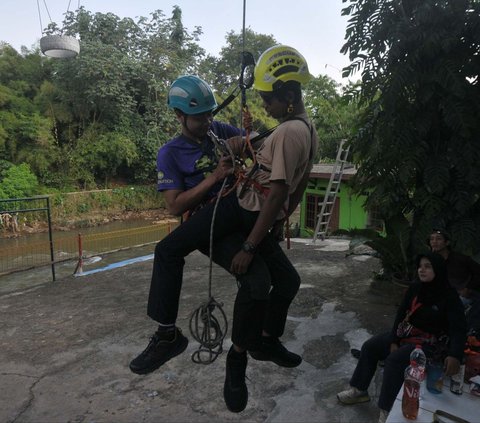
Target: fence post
x,y
79,268
50,237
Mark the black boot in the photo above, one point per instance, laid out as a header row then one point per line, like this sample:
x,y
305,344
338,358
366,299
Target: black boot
x,y
162,347
235,390
273,350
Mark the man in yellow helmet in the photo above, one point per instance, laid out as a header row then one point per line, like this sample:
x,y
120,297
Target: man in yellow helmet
x,y
270,192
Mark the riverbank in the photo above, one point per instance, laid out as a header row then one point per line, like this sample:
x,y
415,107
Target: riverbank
x,y
160,215
74,210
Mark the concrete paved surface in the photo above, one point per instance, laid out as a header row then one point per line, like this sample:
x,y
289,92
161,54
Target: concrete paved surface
x,y
65,346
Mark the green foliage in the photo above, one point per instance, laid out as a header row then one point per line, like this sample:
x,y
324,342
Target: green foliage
x,y
109,201
223,73
84,122
18,182
99,155
417,146
395,248
333,112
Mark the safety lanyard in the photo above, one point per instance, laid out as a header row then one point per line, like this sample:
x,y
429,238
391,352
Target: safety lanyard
x,y
413,307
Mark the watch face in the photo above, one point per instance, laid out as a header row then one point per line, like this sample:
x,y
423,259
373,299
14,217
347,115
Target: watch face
x,y
248,247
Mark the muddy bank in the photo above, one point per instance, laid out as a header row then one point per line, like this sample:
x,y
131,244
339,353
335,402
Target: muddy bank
x,y
25,227
98,219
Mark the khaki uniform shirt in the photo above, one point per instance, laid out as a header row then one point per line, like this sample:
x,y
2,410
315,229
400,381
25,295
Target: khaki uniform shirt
x,y
288,152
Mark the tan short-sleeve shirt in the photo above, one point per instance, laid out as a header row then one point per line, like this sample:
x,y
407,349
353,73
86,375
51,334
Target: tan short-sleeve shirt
x,y
288,153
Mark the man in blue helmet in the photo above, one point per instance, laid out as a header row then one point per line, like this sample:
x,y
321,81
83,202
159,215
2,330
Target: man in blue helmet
x,y
188,172
190,175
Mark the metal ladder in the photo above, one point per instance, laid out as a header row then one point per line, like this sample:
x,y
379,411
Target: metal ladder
x,y
323,218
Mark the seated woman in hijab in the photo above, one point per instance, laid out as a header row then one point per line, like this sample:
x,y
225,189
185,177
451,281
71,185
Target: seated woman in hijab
x,y
431,311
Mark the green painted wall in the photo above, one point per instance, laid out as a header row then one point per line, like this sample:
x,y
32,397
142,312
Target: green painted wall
x,y
352,214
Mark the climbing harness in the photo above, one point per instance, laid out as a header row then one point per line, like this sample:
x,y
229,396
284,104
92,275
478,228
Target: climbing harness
x,y
208,329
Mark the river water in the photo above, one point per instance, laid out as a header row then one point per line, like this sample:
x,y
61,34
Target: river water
x,y
34,277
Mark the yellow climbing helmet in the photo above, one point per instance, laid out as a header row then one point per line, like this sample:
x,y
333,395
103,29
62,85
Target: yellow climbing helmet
x,y
277,65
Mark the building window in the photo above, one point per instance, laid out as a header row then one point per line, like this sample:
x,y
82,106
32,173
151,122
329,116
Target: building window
x,y
314,204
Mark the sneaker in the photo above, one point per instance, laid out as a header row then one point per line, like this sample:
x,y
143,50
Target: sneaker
x,y
235,390
273,350
353,396
158,352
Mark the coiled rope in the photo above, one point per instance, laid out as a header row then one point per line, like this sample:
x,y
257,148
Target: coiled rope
x,y
206,328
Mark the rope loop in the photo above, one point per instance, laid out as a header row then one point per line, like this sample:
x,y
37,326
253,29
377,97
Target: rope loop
x,y
209,331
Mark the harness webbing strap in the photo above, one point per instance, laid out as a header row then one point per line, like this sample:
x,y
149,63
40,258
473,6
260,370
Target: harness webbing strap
x,y
249,181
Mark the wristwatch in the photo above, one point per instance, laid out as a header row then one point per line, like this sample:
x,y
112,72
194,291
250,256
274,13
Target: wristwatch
x,y
249,247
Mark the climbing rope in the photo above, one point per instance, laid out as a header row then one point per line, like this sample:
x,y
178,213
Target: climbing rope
x,y
206,328
208,323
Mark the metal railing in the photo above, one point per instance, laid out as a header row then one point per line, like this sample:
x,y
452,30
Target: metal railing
x,y
20,257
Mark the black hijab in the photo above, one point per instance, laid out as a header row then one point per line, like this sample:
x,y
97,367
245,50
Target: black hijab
x,y
430,291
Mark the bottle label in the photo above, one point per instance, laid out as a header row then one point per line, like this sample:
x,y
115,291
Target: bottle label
x,y
412,390
417,373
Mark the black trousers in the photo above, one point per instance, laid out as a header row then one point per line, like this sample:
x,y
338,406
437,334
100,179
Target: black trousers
x,y
374,350
265,291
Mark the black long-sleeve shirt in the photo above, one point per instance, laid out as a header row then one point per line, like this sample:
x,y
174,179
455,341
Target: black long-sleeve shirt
x,y
442,314
463,271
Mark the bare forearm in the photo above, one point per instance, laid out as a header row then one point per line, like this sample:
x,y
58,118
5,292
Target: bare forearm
x,y
187,200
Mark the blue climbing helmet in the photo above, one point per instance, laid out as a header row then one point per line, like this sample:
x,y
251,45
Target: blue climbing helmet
x,y
191,95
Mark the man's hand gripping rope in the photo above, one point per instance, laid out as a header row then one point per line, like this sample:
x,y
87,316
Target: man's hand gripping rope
x,y
235,151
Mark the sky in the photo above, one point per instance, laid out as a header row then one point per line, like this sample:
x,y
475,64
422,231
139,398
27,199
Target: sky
x,y
314,27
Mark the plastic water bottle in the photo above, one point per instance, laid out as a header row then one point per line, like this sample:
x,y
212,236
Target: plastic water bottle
x,y
414,376
418,356
456,381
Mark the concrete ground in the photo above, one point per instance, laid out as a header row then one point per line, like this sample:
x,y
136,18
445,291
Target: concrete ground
x,y
66,345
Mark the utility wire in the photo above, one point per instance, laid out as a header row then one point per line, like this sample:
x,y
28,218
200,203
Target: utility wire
x,y
40,17
48,12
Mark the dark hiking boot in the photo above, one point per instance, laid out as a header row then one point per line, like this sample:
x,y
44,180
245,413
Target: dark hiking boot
x,y
355,353
158,352
235,390
273,350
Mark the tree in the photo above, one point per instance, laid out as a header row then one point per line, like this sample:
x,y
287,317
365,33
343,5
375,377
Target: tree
x,y
18,182
333,113
228,66
99,155
327,103
223,74
25,134
418,148
119,83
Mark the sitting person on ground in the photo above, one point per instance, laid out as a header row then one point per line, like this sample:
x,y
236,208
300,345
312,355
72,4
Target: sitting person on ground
x,y
463,274
430,312
463,271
